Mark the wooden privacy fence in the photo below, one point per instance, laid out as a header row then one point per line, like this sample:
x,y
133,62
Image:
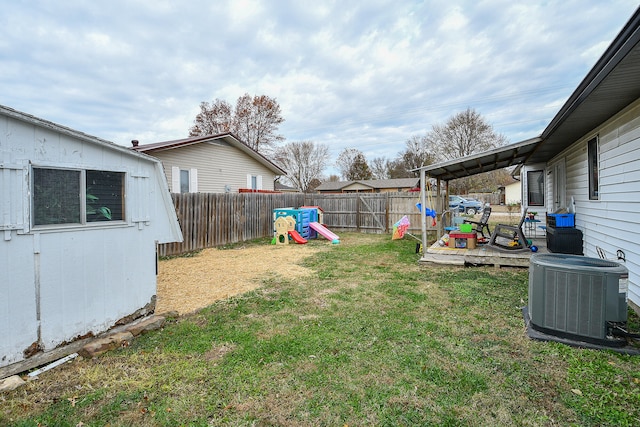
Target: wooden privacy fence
x,y
215,219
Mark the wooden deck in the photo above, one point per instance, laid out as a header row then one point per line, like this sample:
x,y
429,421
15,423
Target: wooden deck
x,y
482,255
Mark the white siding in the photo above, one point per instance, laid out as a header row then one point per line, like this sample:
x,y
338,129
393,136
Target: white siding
x,y
218,165
612,221
525,186
193,180
513,193
59,283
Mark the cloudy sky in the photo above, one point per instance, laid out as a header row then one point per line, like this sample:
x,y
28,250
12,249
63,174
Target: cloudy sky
x,y
365,74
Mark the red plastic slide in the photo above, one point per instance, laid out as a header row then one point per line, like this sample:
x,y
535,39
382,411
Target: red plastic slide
x,y
297,237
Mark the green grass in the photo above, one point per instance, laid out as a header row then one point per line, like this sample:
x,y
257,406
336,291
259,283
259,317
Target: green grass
x,y
371,338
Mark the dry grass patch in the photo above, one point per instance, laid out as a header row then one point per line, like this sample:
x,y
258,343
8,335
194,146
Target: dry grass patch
x,y
187,284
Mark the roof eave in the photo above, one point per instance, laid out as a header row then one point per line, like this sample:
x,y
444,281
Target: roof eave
x,y
228,137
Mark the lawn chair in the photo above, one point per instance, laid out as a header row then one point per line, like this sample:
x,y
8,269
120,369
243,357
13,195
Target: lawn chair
x,y
482,224
510,237
620,256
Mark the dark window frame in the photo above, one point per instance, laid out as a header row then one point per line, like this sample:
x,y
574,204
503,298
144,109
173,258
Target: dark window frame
x,y
593,162
535,198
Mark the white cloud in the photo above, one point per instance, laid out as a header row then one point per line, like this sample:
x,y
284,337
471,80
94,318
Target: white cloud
x,y
366,75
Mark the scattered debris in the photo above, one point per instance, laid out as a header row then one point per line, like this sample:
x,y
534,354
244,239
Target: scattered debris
x,y
52,365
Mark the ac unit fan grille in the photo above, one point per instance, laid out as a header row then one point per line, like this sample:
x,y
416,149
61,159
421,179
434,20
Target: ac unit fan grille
x,y
574,303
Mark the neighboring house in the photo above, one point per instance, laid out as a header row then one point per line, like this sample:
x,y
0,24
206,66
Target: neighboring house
x,y
513,193
587,159
370,186
80,220
212,164
282,188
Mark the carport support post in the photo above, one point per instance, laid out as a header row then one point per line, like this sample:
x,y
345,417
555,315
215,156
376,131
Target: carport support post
x,y
441,207
423,216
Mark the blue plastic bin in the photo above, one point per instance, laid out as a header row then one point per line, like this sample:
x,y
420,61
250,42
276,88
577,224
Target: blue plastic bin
x,y
560,220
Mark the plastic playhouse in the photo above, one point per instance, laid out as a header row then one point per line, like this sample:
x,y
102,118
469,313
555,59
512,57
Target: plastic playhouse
x,y
300,225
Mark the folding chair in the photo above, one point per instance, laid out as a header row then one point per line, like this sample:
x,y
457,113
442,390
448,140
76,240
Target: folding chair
x,y
513,235
483,223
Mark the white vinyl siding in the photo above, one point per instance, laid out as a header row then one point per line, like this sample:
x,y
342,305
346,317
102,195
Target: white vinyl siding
x,y
610,221
219,166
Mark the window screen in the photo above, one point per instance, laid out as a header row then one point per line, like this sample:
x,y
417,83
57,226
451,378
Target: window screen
x,y
592,149
105,196
56,196
59,196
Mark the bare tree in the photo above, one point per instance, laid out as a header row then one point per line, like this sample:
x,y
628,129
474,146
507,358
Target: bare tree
x,y
213,119
304,162
389,169
353,165
255,120
345,161
380,168
398,169
464,134
418,152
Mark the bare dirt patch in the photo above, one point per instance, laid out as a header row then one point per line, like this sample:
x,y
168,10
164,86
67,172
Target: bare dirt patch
x,y
188,284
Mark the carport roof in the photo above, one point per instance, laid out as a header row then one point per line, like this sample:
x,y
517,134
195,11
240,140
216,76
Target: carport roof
x,y
497,158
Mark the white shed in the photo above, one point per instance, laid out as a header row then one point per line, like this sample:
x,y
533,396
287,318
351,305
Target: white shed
x,y
80,218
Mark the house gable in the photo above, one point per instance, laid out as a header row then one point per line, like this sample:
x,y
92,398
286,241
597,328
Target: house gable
x,y
220,168
221,164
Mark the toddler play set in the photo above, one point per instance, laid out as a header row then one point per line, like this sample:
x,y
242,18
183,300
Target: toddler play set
x,y
300,225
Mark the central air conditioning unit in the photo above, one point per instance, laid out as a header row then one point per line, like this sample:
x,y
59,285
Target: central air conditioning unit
x,y
577,298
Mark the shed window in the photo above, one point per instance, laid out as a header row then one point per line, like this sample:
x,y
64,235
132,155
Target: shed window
x,y
65,196
592,154
535,185
105,196
56,196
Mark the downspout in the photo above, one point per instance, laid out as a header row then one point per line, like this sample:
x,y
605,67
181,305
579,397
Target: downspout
x,y
36,267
